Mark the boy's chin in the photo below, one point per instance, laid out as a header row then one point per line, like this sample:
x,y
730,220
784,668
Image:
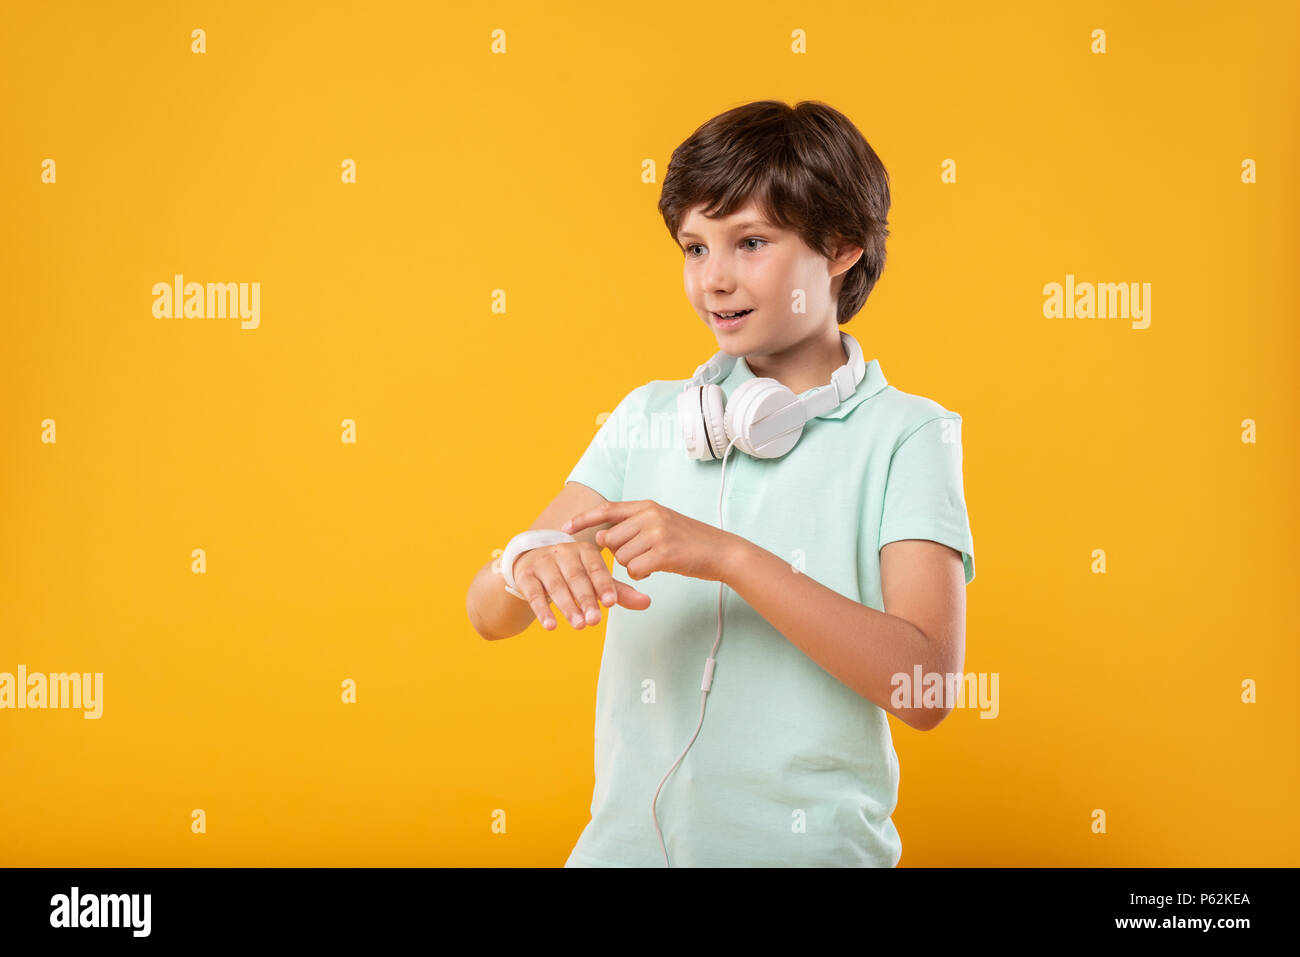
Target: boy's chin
x,y
738,343
730,345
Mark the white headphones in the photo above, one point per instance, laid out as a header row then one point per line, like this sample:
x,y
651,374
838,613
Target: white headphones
x,y
763,417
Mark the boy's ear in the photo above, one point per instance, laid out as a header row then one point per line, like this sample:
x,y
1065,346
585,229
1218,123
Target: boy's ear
x,y
846,256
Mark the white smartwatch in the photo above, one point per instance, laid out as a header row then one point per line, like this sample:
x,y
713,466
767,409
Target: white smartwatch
x,y
525,541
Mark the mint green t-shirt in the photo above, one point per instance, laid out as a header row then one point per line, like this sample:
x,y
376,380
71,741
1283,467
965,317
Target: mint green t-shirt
x,y
791,767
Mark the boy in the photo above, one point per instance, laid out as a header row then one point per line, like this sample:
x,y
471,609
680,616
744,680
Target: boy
x,y
845,558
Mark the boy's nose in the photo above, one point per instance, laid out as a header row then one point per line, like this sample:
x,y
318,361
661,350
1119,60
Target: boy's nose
x,y
719,281
719,276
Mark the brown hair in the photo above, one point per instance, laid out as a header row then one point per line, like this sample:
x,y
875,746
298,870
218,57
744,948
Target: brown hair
x,y
808,169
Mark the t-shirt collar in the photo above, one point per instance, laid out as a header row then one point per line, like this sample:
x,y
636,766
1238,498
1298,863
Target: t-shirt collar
x,y
872,382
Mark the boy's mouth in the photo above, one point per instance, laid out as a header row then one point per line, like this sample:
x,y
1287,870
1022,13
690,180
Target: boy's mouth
x,y
729,319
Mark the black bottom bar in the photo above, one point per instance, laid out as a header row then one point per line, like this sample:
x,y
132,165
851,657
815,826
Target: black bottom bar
x,y
337,905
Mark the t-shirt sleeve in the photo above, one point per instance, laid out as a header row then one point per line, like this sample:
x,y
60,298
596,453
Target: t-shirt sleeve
x,y
924,497
603,466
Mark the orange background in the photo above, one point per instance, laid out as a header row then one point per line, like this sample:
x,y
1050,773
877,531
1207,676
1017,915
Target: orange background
x,y
522,171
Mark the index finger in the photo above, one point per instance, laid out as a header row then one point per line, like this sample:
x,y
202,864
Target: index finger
x,y
608,512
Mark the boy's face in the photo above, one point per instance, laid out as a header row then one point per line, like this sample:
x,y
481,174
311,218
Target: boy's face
x,y
743,262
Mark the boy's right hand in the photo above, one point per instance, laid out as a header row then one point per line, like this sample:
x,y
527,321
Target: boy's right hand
x,y
572,574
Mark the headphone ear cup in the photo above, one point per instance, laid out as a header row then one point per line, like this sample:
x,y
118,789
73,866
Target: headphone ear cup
x,y
713,404
700,410
737,421
745,406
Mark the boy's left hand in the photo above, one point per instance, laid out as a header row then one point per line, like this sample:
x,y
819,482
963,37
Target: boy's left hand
x,y
649,537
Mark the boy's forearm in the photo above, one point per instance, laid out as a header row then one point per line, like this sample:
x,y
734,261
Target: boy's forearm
x,y
860,646
494,612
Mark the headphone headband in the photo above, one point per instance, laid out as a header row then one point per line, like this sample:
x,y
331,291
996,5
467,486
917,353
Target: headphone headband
x,y
844,380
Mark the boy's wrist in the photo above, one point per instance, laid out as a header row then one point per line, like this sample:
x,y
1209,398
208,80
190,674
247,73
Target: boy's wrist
x,y
736,556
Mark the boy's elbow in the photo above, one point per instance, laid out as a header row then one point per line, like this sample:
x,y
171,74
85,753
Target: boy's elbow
x,y
924,719
937,715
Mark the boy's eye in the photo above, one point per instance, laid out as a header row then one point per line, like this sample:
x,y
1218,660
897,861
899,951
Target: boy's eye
x,y
751,239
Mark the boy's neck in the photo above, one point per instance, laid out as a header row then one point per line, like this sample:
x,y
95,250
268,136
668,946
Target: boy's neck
x,y
804,365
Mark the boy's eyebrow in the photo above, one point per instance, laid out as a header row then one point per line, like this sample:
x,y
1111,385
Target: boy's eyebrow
x,y
747,224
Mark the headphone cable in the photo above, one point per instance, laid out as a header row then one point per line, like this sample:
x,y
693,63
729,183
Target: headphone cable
x,y
708,672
